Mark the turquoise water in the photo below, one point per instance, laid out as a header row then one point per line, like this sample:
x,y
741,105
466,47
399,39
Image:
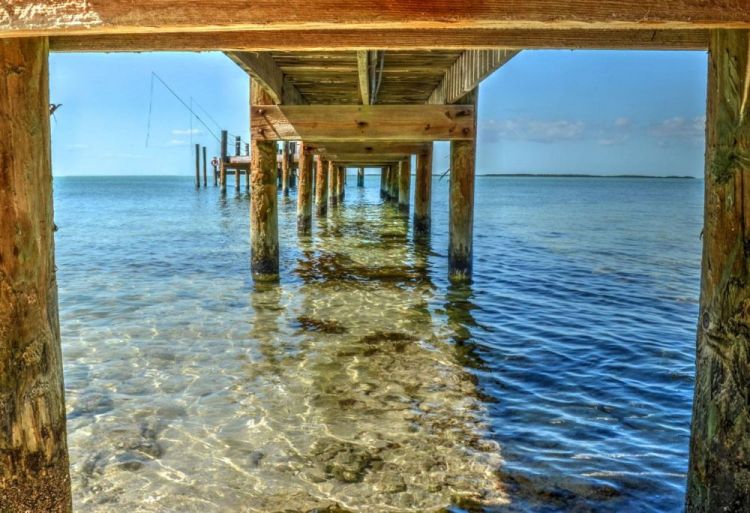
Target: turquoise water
x,y
560,380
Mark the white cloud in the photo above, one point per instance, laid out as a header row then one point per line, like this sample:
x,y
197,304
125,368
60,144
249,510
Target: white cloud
x,y
622,122
176,142
77,146
186,131
680,128
544,131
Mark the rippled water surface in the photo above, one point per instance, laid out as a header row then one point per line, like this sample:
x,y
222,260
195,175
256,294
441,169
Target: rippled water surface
x,y
561,380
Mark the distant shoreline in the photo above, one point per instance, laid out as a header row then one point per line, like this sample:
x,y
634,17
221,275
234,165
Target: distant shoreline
x,y
583,175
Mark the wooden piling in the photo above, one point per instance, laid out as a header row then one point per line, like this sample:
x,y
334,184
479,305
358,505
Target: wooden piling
x,y
197,166
237,145
393,185
321,186
264,228
304,191
461,217
361,177
333,183
237,178
223,160
285,168
423,193
205,168
383,173
404,185
341,183
216,174
34,472
718,471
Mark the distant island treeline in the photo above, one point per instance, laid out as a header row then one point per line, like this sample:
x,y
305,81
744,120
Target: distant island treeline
x,y
584,175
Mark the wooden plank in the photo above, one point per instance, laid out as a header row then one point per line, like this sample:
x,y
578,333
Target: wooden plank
x,y
467,72
366,157
389,39
363,70
41,18
264,71
363,122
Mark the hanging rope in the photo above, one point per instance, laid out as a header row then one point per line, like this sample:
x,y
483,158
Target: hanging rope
x,y
150,106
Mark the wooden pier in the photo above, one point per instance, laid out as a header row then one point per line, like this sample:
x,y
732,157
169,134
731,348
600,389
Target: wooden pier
x,y
365,84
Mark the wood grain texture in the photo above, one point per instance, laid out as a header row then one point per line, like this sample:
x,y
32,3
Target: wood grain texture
x,y
423,193
263,69
467,72
363,71
39,17
718,473
461,206
404,184
321,186
264,229
305,191
333,183
393,179
342,123
454,39
34,472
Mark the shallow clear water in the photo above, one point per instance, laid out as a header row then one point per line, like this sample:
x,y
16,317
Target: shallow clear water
x,y
561,380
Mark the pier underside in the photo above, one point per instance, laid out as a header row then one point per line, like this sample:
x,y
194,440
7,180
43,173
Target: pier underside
x,y
367,83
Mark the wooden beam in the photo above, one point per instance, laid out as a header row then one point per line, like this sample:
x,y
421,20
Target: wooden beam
x,y
50,17
467,72
362,123
369,147
363,69
389,39
366,157
267,74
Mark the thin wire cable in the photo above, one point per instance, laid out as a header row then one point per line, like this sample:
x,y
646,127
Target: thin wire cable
x,y
153,73
150,106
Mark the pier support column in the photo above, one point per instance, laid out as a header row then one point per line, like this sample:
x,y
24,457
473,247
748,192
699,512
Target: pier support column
x,y
361,177
718,472
197,166
205,169
223,161
34,473
341,184
285,168
382,181
404,185
264,228
461,222
393,185
321,186
333,181
305,191
423,193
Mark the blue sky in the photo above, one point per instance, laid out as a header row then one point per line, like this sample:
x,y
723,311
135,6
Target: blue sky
x,y
597,112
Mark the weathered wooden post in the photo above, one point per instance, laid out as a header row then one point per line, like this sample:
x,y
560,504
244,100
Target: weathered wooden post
x,y
383,171
237,145
461,217
333,185
718,472
247,149
223,160
304,191
205,169
404,184
264,227
197,166
216,173
341,183
393,186
34,472
361,177
285,168
423,193
321,187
